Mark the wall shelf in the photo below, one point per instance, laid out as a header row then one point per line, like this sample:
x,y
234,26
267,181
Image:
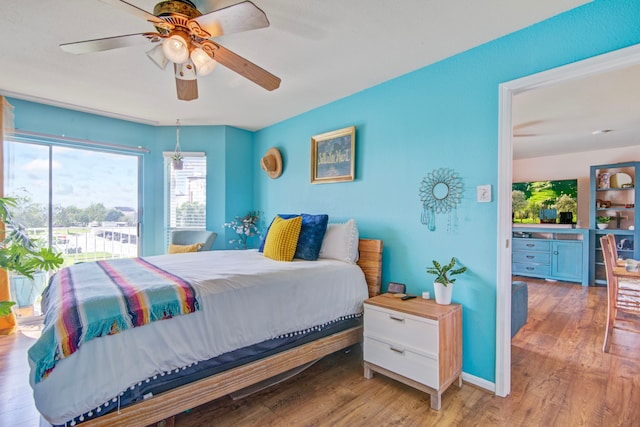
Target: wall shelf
x,y
623,203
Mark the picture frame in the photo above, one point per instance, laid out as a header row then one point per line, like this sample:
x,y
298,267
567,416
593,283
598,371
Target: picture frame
x,y
333,156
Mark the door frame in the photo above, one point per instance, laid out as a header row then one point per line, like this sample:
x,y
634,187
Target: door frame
x,y
598,64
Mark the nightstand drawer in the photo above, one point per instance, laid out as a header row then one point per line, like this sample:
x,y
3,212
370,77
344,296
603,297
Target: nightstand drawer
x,y
402,328
530,245
402,361
531,257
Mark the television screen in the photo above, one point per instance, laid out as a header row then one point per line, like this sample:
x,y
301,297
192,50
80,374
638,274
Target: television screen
x,y
547,202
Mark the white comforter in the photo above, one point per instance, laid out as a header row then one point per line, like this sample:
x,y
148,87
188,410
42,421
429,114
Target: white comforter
x,y
245,299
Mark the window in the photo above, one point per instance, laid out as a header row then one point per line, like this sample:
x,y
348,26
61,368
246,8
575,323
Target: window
x,y
186,192
81,201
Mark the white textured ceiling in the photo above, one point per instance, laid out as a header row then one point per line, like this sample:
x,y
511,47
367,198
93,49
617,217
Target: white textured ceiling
x,y
565,117
322,50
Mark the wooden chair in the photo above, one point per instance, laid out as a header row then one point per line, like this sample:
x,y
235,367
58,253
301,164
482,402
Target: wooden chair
x,y
623,296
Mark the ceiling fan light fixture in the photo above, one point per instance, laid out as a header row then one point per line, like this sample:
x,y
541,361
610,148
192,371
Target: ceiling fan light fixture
x,y
176,49
186,71
203,62
156,55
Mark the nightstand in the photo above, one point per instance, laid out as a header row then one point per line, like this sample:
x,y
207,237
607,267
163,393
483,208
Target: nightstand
x,y
416,342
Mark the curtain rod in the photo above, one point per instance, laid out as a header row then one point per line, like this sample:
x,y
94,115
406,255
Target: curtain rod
x,y
120,147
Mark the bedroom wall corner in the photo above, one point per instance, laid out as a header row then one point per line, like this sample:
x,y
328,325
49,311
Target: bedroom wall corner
x,y
49,120
239,182
208,139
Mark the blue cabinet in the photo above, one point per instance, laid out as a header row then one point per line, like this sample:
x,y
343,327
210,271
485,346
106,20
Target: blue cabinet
x,y
566,260
557,254
531,257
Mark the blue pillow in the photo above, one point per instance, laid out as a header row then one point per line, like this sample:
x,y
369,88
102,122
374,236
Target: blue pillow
x,y
311,235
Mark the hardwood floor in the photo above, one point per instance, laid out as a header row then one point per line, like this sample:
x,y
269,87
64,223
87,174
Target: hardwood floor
x,y
560,377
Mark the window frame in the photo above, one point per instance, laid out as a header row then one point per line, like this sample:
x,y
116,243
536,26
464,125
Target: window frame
x,y
168,204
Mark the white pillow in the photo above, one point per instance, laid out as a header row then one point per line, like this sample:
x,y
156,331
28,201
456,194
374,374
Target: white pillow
x,y
341,242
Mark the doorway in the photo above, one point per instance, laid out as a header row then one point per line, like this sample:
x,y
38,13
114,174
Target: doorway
x,y
592,66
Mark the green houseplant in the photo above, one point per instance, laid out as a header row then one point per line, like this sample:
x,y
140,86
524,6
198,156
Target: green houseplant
x,y
176,161
18,253
444,273
602,222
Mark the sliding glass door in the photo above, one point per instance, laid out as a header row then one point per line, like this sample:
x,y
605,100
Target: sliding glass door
x,y
82,202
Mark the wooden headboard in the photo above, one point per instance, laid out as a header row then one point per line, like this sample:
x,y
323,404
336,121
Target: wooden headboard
x,y
370,261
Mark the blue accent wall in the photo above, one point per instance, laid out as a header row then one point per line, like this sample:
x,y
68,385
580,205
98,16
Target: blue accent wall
x,y
443,115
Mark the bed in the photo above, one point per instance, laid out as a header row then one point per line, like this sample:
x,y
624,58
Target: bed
x,y
319,336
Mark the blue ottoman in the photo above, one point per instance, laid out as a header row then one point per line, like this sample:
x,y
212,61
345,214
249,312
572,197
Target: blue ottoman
x,y
519,306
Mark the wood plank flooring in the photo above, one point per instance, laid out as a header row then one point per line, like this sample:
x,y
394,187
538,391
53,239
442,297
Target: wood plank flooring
x,y
560,377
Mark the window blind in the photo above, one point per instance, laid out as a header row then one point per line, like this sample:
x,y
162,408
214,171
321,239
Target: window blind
x,y
186,195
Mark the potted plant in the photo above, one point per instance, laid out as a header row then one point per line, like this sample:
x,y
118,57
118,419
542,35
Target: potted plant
x,y
443,279
602,222
176,161
18,253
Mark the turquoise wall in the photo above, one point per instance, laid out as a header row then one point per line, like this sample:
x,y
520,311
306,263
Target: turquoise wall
x,y
444,115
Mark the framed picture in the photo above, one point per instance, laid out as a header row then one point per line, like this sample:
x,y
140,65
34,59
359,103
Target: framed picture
x,y
333,156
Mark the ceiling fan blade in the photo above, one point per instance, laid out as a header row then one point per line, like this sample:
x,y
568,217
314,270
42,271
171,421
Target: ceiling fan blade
x,y
528,124
245,68
239,17
187,89
99,45
186,83
129,8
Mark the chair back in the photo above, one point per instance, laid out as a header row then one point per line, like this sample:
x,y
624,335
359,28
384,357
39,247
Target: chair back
x,y
190,237
622,296
608,245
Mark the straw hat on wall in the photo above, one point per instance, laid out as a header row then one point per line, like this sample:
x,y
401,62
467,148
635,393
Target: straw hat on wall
x,y
271,163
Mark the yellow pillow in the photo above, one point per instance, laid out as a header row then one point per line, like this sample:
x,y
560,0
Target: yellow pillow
x,y
180,249
282,238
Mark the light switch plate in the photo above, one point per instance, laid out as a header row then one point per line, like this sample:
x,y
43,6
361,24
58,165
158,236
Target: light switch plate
x,y
484,193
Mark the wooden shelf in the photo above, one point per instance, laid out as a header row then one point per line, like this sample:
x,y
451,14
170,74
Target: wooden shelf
x,y
619,198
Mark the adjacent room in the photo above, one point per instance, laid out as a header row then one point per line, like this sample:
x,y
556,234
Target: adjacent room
x,y
253,213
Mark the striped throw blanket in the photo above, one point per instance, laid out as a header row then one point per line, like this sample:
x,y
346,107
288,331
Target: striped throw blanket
x,y
94,299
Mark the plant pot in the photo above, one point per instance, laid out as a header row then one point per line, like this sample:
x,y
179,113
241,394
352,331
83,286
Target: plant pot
x,y
177,164
24,291
443,293
602,226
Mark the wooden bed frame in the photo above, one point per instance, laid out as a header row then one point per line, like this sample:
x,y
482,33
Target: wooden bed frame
x,y
162,408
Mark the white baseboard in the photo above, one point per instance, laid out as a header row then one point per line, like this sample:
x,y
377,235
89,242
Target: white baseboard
x,y
479,382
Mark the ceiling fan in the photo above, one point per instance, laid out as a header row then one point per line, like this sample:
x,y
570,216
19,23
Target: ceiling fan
x,y
184,36
518,129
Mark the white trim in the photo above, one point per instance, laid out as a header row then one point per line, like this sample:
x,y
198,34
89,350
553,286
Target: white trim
x,y
75,107
20,135
503,265
479,382
591,66
185,153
